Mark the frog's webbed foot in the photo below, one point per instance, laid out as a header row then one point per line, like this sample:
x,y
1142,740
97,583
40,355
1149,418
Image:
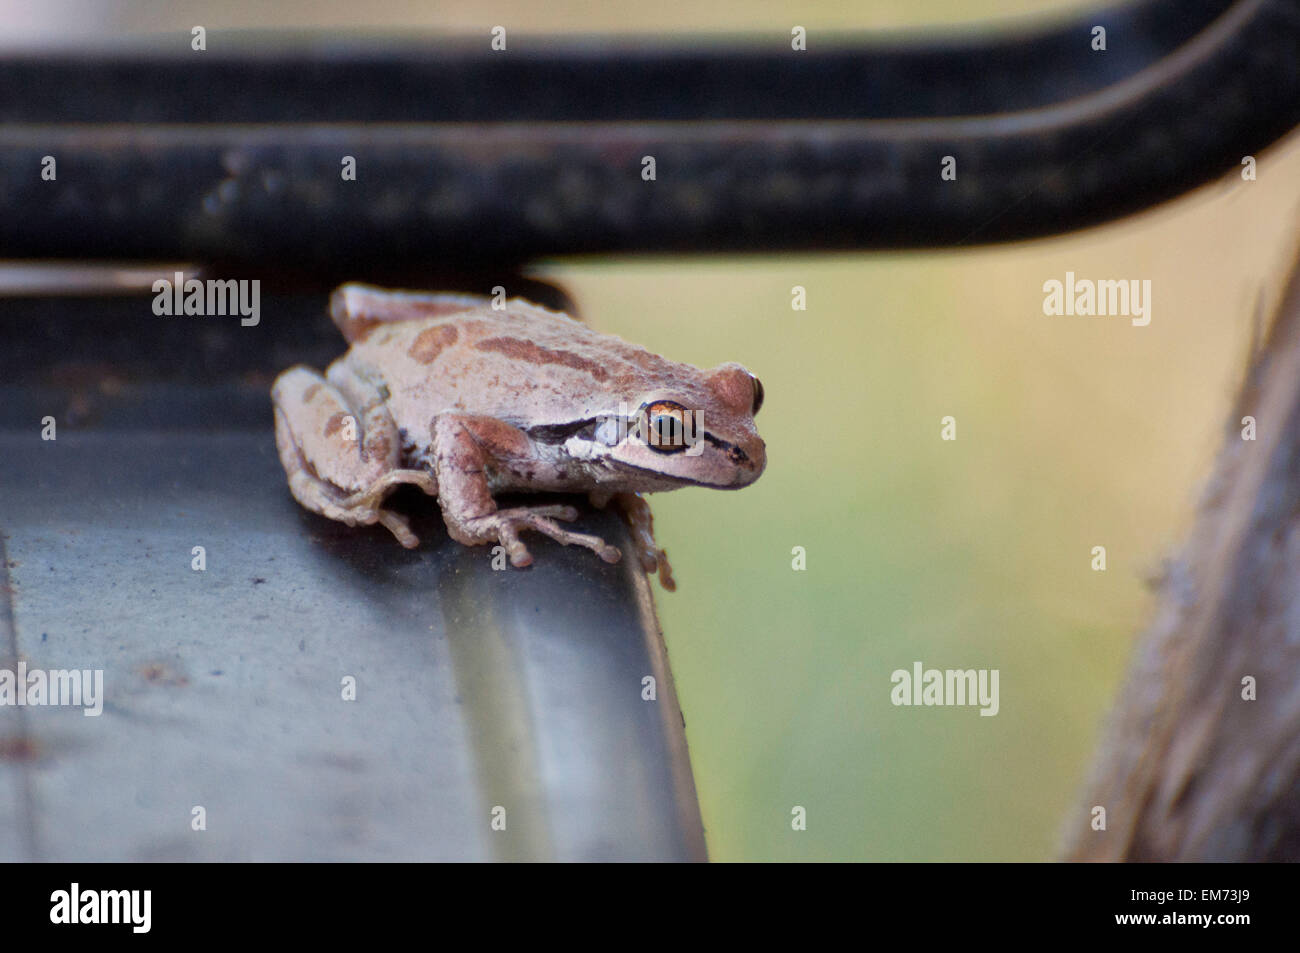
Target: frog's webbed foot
x,y
504,525
640,522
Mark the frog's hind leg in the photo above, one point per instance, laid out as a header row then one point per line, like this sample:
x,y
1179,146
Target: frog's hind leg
x,y
340,448
356,308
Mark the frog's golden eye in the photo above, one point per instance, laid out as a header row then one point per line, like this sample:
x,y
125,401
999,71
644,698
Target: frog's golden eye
x,y
665,426
758,394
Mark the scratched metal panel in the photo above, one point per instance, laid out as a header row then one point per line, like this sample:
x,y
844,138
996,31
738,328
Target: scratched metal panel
x,y
475,688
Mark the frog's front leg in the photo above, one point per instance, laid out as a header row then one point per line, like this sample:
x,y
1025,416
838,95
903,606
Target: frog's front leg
x,y
465,447
341,449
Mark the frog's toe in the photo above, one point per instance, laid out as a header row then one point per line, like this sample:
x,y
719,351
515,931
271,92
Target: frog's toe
x,y
557,511
508,537
399,527
666,573
541,519
610,554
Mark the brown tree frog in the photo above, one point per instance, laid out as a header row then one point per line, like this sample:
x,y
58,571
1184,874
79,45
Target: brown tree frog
x,y
466,400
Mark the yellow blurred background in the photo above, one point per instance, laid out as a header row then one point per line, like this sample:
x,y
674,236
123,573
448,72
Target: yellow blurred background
x,y
1073,432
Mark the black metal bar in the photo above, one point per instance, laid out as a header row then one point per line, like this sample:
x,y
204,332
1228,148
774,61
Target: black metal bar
x,y
1130,131
260,79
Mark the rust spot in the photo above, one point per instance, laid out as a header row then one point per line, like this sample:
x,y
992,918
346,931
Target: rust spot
x,y
310,393
335,424
520,350
430,342
379,448
160,673
17,748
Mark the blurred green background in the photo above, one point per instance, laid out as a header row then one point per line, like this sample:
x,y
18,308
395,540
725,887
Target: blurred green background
x,y
1072,432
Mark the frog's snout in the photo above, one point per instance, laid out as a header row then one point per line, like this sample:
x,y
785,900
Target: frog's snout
x,y
749,460
758,459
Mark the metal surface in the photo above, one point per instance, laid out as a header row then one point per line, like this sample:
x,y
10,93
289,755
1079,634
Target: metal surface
x,y
475,688
277,78
236,157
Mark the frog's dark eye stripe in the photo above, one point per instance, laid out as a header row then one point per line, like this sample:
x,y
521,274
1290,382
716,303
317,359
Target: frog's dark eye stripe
x,y
734,453
558,433
758,394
